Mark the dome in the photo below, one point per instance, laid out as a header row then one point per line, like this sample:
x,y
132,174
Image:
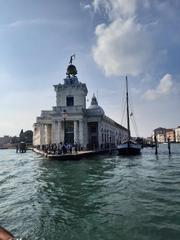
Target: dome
x,y
71,70
94,108
97,110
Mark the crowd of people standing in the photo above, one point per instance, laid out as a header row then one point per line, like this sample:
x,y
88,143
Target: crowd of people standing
x,y
60,148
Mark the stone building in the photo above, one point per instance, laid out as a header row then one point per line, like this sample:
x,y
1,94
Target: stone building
x,y
170,134
177,134
161,138
160,134
70,121
163,134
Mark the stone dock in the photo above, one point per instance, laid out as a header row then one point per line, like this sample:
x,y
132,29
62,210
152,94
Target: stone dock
x,y
72,156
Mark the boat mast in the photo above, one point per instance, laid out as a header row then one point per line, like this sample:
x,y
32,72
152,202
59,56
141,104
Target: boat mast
x,y
127,102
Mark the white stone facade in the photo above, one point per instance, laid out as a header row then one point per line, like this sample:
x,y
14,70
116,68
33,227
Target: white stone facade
x,y
71,122
161,138
177,134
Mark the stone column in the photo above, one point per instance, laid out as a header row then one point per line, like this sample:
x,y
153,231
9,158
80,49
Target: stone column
x,y
59,132
86,134
49,130
52,132
99,134
45,133
76,139
61,127
62,131
42,134
81,132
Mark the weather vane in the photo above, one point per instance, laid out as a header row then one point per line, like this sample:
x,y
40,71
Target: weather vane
x,y
72,58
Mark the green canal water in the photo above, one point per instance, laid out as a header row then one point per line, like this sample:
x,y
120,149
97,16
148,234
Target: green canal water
x,y
105,197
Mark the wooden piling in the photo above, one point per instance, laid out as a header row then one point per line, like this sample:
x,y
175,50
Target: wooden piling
x,y
169,146
156,146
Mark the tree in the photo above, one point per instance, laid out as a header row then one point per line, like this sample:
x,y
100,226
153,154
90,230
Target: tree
x,y
21,136
28,136
14,140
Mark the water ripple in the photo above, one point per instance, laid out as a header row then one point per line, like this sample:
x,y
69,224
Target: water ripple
x,y
100,198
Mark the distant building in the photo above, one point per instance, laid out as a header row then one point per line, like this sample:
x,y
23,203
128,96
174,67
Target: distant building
x,y
170,134
149,140
161,137
177,134
1,140
5,140
160,130
28,136
160,134
70,121
163,134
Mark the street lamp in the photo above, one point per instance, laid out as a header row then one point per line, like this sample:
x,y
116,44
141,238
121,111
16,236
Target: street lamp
x,y
64,117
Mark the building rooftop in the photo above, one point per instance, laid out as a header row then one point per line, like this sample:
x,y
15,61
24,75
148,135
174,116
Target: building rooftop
x,y
94,108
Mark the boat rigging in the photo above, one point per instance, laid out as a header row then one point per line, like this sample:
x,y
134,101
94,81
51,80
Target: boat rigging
x,y
129,147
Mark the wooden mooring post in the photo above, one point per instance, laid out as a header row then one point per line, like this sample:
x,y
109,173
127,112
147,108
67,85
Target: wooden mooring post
x,y
169,146
156,145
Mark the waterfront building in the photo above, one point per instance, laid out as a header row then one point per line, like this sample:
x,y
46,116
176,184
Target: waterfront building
x,y
70,121
177,134
161,138
5,140
163,134
160,134
170,134
149,140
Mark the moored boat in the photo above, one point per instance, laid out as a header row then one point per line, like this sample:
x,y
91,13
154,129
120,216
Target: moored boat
x,y
128,147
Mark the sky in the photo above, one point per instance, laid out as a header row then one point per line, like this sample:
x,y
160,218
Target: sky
x,y
111,39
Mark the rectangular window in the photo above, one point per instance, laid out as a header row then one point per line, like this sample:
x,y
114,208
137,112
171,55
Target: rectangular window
x,y
70,101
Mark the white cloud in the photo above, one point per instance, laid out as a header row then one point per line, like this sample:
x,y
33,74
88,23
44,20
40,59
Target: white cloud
x,y
85,6
36,22
116,8
132,39
126,8
164,88
123,47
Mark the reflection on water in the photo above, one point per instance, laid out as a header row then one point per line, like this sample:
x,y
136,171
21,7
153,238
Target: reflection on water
x,y
106,197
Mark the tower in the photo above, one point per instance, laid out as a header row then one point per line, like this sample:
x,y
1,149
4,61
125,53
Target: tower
x,y
72,93
70,107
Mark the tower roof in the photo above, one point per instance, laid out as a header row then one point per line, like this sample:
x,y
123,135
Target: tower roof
x,y
94,108
94,100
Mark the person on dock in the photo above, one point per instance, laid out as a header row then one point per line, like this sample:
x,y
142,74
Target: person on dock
x,y
54,148
69,148
64,149
60,148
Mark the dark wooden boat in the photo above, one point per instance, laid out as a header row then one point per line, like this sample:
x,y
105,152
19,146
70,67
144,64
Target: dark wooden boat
x,y
128,147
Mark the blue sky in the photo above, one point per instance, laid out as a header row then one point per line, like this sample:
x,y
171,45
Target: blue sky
x,y
111,39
